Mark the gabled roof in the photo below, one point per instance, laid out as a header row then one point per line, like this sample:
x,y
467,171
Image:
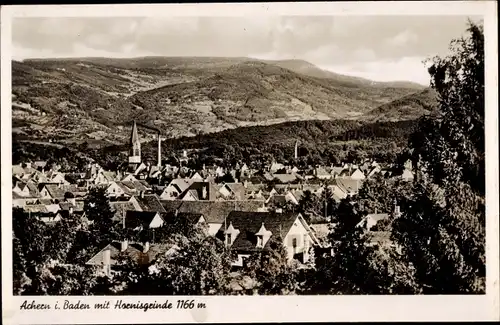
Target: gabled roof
x,y
285,178
181,184
35,208
134,250
348,185
321,171
191,217
378,216
16,196
277,199
120,208
249,223
336,170
150,202
139,219
237,189
212,211
200,188
78,207
55,191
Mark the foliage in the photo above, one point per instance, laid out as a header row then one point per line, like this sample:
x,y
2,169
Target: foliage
x,y
451,147
68,159
442,228
442,232
199,266
271,270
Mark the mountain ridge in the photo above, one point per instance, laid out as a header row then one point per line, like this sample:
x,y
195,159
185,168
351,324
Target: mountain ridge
x,y
93,98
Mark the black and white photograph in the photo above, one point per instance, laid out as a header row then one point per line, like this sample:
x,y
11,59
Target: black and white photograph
x,y
248,155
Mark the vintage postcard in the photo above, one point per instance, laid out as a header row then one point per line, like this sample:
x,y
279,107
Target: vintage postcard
x,y
266,162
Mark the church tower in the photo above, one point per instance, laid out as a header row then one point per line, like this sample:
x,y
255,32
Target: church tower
x,y
134,156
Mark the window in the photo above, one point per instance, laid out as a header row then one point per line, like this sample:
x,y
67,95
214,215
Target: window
x,y
294,242
228,239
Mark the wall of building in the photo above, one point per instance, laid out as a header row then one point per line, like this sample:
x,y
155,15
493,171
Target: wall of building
x,y
303,241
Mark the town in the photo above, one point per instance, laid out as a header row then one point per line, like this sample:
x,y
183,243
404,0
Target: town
x,y
383,196
246,213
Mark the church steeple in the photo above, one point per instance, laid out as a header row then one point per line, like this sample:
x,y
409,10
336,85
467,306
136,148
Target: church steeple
x,y
134,156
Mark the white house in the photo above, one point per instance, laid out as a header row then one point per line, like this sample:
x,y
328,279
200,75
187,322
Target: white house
x,y
175,188
249,232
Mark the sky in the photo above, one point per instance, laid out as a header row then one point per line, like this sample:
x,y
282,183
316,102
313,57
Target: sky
x,y
380,48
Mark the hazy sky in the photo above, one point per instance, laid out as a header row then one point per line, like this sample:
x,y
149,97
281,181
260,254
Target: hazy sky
x,y
381,48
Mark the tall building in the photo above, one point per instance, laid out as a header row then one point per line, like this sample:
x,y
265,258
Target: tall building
x,y
134,155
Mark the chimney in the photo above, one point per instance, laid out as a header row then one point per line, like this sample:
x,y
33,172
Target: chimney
x,y
204,192
106,261
159,150
124,245
146,247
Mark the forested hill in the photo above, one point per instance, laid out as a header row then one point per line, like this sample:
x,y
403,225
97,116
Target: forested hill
x,y
319,141
331,141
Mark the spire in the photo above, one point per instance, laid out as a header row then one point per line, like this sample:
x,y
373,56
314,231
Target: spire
x,y
135,137
135,146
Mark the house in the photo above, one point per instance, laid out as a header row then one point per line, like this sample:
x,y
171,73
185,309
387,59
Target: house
x,y
281,199
133,187
175,188
72,206
197,177
249,232
321,231
322,173
121,206
129,178
52,191
150,203
338,193
357,174
370,220
36,208
200,191
21,189
374,170
193,218
244,170
349,186
56,178
286,178
115,189
49,217
336,171
21,201
234,191
107,258
214,212
276,167
407,175
142,220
